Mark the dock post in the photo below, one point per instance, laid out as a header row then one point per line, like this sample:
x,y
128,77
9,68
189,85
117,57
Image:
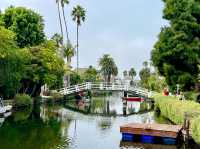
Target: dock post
x,y
186,127
125,94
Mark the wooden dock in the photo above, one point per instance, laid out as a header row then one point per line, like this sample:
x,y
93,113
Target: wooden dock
x,y
156,130
125,145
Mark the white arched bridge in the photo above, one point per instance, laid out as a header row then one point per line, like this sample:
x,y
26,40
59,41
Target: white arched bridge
x,y
103,86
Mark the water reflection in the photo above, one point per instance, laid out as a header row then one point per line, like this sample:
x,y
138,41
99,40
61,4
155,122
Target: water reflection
x,y
109,105
56,127
24,130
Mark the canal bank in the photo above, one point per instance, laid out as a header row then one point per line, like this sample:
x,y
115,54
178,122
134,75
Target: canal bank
x,y
182,112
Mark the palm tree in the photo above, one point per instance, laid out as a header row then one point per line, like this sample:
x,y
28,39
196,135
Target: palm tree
x,y
58,6
125,73
115,71
78,14
58,39
145,64
63,3
68,52
108,67
132,73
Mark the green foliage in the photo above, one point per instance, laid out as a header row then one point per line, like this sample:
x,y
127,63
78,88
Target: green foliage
x,y
156,83
125,73
176,54
1,20
174,110
27,24
58,39
69,51
12,61
56,95
108,67
191,95
22,115
196,129
47,67
132,73
22,100
90,75
75,78
78,14
26,70
144,76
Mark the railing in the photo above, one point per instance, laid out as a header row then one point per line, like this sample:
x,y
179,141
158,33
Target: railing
x,y
103,86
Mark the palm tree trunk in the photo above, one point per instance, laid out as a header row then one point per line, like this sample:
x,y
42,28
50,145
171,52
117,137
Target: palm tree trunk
x,y
77,31
109,77
68,80
67,33
66,28
68,76
61,29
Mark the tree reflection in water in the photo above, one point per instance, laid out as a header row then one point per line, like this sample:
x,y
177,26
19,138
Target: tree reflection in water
x,y
42,129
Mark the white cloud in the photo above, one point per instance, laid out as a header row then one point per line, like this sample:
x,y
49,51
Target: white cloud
x,y
124,30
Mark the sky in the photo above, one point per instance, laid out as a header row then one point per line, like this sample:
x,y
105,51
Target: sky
x,y
125,29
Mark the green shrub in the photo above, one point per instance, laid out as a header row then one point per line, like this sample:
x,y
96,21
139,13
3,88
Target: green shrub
x,y
196,129
23,100
56,95
174,110
22,115
191,95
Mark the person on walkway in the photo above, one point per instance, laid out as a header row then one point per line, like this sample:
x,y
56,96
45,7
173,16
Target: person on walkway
x,y
166,92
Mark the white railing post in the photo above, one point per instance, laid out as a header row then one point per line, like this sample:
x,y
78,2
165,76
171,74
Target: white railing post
x,y
89,85
101,86
86,86
65,91
113,86
77,88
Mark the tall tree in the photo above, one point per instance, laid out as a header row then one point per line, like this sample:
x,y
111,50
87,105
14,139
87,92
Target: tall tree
x,y
60,20
177,52
63,3
26,24
78,15
46,67
145,64
125,73
108,67
1,21
58,39
115,71
69,52
145,74
132,73
12,63
90,75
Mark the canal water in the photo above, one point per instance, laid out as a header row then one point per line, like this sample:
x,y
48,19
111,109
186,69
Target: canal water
x,y
93,125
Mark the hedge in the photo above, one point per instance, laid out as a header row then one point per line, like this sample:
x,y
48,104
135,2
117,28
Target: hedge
x,y
22,100
174,109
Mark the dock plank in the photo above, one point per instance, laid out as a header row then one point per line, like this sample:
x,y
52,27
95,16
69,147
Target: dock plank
x,y
125,145
158,130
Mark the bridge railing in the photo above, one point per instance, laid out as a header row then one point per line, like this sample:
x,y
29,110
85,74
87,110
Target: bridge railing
x,y
103,86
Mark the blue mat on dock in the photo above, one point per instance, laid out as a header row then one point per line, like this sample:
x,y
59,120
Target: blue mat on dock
x,y
127,137
148,139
